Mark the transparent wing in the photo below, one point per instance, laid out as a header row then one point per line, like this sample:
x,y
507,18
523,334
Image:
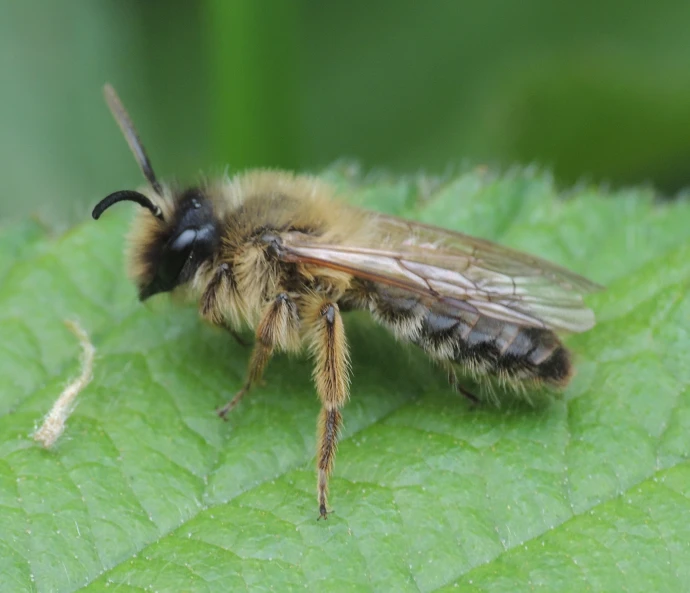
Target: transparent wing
x,y
462,272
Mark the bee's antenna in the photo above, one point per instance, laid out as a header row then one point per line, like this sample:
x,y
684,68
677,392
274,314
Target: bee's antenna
x,y
126,196
125,122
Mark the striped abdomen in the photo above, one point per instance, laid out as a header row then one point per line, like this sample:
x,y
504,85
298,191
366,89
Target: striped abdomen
x,y
480,344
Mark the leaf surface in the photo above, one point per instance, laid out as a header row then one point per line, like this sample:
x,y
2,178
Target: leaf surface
x,y
148,490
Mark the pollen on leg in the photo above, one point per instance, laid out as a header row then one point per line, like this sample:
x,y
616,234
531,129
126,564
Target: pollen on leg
x,y
54,423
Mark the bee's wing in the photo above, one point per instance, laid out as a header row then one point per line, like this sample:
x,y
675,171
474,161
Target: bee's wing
x,y
461,272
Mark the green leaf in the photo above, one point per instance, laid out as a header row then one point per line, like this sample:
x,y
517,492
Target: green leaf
x,y
148,490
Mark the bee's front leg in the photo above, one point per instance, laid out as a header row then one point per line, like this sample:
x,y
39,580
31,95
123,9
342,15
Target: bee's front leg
x,y
279,327
220,290
332,378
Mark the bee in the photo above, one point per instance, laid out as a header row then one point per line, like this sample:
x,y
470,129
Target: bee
x,y
280,253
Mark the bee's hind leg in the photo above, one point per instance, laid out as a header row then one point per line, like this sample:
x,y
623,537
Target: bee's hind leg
x,y
457,386
279,327
468,394
331,375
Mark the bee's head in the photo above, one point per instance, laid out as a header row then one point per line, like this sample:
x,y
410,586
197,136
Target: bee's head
x,y
172,237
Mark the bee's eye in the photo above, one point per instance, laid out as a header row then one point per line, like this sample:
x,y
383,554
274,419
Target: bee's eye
x,y
192,239
184,241
176,255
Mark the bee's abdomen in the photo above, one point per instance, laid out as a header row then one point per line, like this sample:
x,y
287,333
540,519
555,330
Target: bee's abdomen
x,y
494,347
483,345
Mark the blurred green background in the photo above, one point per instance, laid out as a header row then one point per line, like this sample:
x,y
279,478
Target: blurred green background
x,y
594,90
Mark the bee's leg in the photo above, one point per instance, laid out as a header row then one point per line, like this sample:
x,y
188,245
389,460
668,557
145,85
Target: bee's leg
x,y
468,394
222,283
238,338
279,327
457,386
331,375
210,305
